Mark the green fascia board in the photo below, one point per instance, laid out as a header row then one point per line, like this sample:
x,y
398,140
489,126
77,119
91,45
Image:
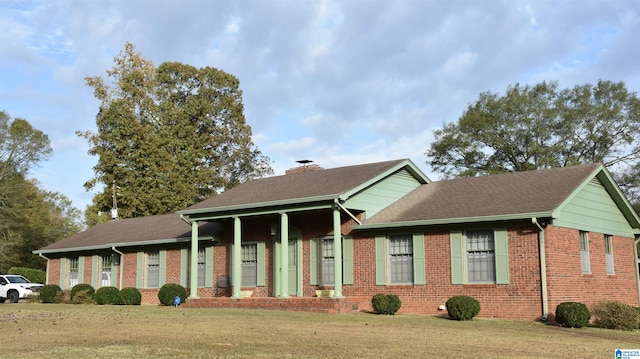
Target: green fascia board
x,y
124,244
406,164
261,208
444,221
614,191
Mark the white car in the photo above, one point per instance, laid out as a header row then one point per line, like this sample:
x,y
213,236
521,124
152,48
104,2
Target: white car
x,y
16,287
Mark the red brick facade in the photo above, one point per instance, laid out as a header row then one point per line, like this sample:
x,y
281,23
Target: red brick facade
x,y
521,298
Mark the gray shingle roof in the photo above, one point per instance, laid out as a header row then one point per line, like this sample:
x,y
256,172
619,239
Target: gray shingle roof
x,y
539,191
326,182
130,230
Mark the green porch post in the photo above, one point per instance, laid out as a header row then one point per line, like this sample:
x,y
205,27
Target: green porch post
x,y
337,251
193,271
236,270
284,257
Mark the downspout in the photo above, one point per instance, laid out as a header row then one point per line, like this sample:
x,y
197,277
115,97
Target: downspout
x,y
543,270
121,265
635,252
47,273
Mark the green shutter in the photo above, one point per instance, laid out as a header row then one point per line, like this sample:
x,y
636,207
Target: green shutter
x,y
419,275
347,260
114,270
139,271
262,268
81,269
314,244
208,265
63,272
184,267
381,260
162,268
457,257
502,256
95,270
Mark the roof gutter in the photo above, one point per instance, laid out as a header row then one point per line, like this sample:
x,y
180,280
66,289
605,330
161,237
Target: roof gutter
x,y
543,268
121,266
46,279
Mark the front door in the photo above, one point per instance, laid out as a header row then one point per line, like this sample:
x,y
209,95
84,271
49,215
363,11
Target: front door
x,y
292,274
292,271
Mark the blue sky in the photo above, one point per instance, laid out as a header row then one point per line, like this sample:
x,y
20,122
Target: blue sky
x,y
337,82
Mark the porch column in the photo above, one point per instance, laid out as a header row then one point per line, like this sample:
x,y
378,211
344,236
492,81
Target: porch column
x,y
236,270
284,255
193,271
337,253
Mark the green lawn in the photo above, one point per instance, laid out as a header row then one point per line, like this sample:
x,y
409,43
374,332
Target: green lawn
x,y
92,331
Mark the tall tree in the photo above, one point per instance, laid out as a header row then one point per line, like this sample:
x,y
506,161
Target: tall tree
x,y
169,136
542,126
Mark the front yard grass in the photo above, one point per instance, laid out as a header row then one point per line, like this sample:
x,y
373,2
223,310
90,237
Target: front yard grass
x,y
92,331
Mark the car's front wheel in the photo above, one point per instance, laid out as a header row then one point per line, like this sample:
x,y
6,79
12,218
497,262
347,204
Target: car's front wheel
x,y
14,296
2,300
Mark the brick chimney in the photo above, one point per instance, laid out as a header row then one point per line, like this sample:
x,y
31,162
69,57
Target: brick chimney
x,y
305,166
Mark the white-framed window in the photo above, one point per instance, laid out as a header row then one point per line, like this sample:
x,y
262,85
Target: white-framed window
x,y
249,265
400,259
608,254
202,261
585,260
480,256
105,270
152,263
327,266
72,275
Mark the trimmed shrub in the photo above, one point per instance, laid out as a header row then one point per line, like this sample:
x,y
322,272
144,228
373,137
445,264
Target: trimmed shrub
x,y
87,288
386,303
51,293
33,275
107,295
170,291
130,296
462,307
616,315
572,315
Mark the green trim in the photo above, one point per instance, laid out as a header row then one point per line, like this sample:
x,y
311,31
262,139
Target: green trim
x,y
184,267
228,211
501,245
208,265
114,270
63,272
457,257
127,244
162,268
506,217
381,260
139,270
95,270
406,164
81,269
419,275
314,247
261,265
347,260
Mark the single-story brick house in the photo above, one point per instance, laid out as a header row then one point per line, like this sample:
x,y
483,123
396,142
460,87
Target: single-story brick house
x,y
329,239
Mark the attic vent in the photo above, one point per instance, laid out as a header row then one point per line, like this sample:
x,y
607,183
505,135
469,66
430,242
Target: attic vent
x,y
305,166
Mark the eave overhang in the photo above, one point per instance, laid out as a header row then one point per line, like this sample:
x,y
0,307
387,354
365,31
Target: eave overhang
x,y
109,246
446,221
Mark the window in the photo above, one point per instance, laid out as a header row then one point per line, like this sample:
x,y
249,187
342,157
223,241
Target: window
x,y
608,253
152,277
584,253
480,256
105,271
73,271
201,267
400,259
249,265
327,268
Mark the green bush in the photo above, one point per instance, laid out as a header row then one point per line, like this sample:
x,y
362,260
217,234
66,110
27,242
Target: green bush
x,y
107,295
51,293
33,275
82,297
386,303
616,315
90,291
572,315
462,307
170,291
130,296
